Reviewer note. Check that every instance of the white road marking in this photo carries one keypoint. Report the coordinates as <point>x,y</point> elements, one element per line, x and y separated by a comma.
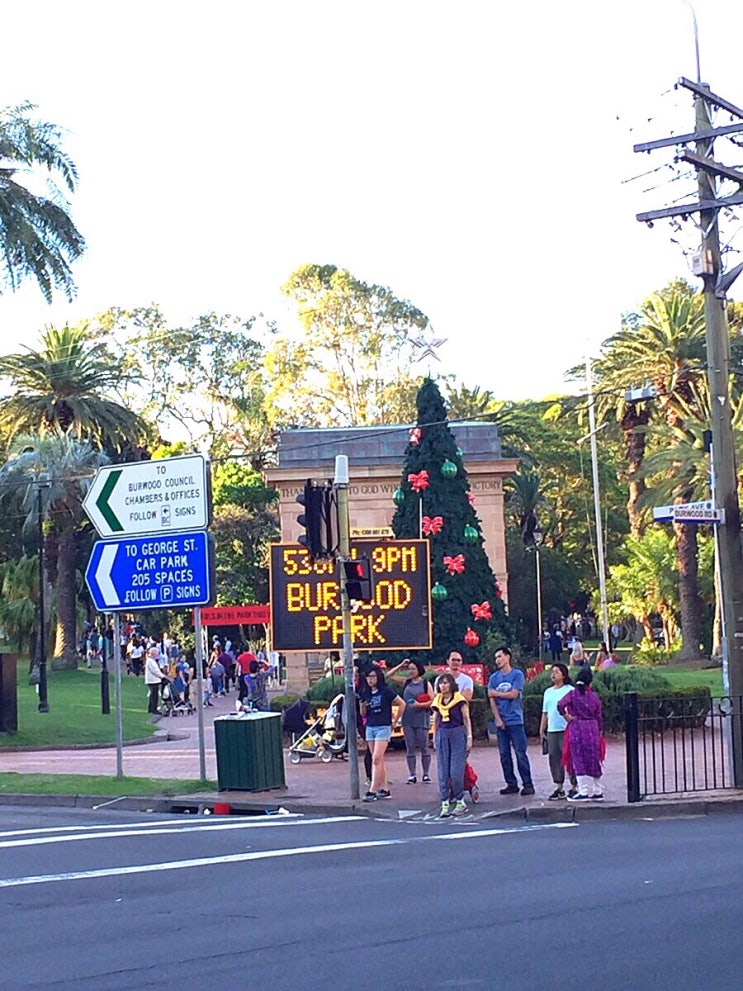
<point>189,826</point>
<point>241,858</point>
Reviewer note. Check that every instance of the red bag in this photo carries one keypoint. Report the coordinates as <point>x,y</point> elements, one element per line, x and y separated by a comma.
<point>470,776</point>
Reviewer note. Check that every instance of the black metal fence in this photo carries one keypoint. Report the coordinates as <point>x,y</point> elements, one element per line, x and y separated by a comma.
<point>676,746</point>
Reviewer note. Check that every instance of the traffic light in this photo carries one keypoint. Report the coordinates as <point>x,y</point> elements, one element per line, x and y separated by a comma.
<point>311,498</point>
<point>358,579</point>
<point>319,520</point>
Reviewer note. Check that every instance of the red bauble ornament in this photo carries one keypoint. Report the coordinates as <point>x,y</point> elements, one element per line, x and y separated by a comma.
<point>471,638</point>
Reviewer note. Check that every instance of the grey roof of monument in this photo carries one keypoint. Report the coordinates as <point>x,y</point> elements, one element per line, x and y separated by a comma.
<point>313,448</point>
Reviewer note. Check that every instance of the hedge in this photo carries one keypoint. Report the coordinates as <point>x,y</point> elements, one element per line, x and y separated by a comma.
<point>610,685</point>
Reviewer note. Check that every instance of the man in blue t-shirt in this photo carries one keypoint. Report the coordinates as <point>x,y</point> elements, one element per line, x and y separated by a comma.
<point>505,688</point>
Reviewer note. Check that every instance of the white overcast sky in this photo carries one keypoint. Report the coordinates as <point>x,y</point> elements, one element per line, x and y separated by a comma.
<point>468,155</point>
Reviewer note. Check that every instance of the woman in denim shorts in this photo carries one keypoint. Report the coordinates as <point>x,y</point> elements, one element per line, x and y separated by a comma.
<point>376,706</point>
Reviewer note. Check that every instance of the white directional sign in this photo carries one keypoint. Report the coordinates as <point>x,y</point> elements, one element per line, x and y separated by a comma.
<point>689,512</point>
<point>150,497</point>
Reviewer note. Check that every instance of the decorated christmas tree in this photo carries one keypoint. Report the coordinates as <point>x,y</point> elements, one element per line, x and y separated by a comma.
<point>435,501</point>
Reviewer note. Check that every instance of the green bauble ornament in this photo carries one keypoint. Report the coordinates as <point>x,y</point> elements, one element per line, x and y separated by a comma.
<point>439,593</point>
<point>471,534</point>
<point>448,469</point>
<point>398,497</point>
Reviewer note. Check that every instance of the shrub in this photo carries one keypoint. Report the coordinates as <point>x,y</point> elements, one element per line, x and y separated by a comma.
<point>649,654</point>
<point>281,702</point>
<point>326,689</point>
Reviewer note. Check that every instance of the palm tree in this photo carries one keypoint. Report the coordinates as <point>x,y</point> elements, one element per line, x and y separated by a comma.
<point>679,471</point>
<point>67,386</point>
<point>60,469</point>
<point>38,239</point>
<point>525,499</point>
<point>663,345</point>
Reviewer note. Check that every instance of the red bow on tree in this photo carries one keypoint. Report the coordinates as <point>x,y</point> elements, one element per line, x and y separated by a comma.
<point>432,524</point>
<point>415,435</point>
<point>454,565</point>
<point>482,611</point>
<point>471,498</point>
<point>419,481</point>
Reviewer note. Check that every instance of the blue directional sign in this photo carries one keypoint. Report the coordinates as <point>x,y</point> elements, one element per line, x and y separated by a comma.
<point>158,572</point>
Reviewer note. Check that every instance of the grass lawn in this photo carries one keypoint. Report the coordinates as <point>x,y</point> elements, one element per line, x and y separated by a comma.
<point>687,677</point>
<point>91,784</point>
<point>75,710</point>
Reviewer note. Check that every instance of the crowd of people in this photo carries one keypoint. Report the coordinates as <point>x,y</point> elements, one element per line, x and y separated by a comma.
<point>571,728</point>
<point>170,672</point>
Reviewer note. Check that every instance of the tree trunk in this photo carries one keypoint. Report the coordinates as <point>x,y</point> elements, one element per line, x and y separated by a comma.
<point>690,606</point>
<point>634,440</point>
<point>65,645</point>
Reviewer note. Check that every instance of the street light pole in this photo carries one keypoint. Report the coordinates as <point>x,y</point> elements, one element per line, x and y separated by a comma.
<point>597,506</point>
<point>537,535</point>
<point>43,698</point>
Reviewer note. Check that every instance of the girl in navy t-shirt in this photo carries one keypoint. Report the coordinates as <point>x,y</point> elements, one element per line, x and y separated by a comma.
<point>376,706</point>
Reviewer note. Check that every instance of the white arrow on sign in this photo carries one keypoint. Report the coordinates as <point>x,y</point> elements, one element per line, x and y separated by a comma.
<point>147,497</point>
<point>103,575</point>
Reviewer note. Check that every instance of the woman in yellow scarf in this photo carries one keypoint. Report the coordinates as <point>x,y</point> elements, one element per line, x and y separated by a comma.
<point>452,729</point>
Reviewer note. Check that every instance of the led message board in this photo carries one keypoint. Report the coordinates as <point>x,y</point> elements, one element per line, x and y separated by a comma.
<point>306,598</point>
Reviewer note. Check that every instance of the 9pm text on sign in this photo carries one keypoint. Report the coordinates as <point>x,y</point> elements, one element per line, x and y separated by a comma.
<point>156,572</point>
<point>150,497</point>
<point>306,598</point>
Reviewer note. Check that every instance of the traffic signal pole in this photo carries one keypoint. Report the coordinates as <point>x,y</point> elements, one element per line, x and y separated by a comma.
<point>344,554</point>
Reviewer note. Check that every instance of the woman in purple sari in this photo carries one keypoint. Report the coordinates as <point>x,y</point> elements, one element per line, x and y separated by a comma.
<point>582,710</point>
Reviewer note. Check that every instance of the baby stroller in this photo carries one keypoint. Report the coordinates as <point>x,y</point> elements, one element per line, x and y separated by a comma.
<point>325,737</point>
<point>175,702</point>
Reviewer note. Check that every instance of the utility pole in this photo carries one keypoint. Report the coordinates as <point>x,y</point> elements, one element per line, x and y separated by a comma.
<point>344,554</point>
<point>707,265</point>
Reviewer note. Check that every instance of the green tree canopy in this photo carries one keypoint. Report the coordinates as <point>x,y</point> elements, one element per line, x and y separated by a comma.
<point>352,366</point>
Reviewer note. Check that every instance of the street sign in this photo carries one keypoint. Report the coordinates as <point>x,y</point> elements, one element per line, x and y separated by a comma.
<point>689,512</point>
<point>235,615</point>
<point>306,598</point>
<point>167,571</point>
<point>150,497</point>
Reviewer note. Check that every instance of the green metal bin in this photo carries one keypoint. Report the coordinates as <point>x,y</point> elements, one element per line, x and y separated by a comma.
<point>250,752</point>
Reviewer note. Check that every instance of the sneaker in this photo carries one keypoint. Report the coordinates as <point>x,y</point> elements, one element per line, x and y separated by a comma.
<point>383,794</point>
<point>599,797</point>
<point>572,793</point>
<point>459,809</point>
<point>527,790</point>
<point>556,795</point>
<point>510,790</point>
<point>579,798</point>
<point>371,796</point>
<point>445,810</point>
<point>412,780</point>
<point>426,779</point>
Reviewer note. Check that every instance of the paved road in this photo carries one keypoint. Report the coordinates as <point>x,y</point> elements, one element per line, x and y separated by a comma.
<point>102,902</point>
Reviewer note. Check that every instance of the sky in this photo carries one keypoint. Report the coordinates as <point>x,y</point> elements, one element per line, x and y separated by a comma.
<point>474,157</point>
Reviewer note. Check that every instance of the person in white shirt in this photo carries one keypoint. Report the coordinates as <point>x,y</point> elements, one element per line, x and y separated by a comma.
<point>153,677</point>
<point>465,684</point>
<point>552,729</point>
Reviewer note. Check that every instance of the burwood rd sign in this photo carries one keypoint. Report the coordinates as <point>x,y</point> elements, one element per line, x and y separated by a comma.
<point>147,497</point>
